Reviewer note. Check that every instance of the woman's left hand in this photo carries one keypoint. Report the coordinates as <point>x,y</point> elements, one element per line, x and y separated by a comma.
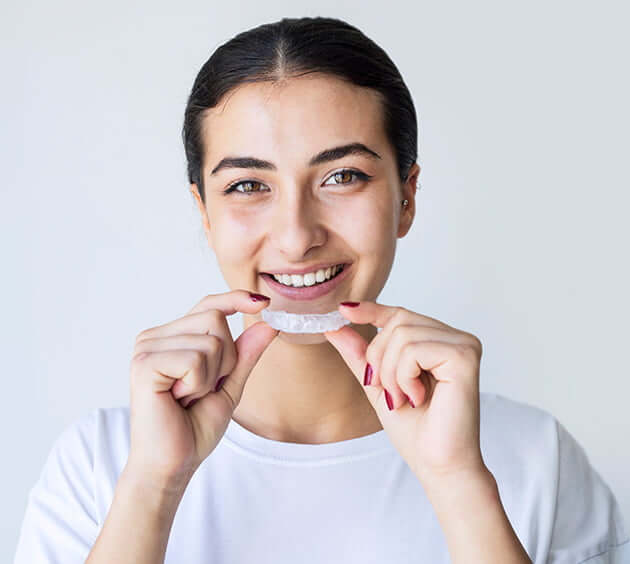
<point>433,365</point>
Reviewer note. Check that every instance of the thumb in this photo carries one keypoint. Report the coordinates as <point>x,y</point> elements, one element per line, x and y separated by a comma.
<point>250,345</point>
<point>352,346</point>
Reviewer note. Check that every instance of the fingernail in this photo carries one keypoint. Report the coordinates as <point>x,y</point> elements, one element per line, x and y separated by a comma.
<point>220,383</point>
<point>258,297</point>
<point>409,400</point>
<point>390,402</point>
<point>350,304</point>
<point>191,403</point>
<point>367,377</point>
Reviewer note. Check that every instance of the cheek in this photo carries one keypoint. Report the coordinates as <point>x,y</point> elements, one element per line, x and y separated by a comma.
<point>369,223</point>
<point>235,236</point>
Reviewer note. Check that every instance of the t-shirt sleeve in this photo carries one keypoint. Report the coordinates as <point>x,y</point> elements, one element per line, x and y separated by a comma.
<point>588,525</point>
<point>60,524</point>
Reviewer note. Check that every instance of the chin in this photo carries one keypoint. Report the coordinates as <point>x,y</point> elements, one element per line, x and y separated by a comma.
<point>302,338</point>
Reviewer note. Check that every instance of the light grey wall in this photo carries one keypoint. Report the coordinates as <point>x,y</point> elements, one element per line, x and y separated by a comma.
<point>521,235</point>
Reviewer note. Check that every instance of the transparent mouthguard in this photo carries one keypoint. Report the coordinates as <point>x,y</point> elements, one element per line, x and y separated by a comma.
<point>304,322</point>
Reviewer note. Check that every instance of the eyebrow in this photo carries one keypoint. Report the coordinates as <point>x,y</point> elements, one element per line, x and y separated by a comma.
<point>325,156</point>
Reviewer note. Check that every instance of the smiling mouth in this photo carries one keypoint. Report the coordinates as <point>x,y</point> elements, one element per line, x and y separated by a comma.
<point>311,291</point>
<point>302,281</point>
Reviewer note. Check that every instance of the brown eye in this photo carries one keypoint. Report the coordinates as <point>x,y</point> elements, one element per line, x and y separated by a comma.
<point>249,187</point>
<point>347,176</point>
<point>344,176</point>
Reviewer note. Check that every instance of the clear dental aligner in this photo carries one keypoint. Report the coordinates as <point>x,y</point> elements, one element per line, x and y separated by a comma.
<point>304,322</point>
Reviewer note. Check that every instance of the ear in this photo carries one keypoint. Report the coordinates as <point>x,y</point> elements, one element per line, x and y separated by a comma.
<point>202,210</point>
<point>408,212</point>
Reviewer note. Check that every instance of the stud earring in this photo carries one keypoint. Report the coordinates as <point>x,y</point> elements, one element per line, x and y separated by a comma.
<point>405,202</point>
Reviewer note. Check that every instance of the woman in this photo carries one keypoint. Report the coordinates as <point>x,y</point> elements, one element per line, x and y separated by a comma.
<point>354,445</point>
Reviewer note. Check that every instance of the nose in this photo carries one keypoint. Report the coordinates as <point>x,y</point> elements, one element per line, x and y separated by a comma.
<point>296,224</point>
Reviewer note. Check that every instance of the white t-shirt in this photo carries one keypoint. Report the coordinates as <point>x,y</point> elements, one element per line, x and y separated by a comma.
<point>355,501</point>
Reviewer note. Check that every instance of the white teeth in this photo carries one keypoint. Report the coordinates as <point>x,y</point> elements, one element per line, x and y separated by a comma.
<point>309,279</point>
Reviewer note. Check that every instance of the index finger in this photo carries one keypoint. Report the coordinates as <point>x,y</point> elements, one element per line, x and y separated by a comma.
<point>214,307</point>
<point>379,315</point>
<point>231,302</point>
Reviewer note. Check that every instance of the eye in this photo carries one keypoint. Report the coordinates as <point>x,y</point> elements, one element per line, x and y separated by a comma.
<point>341,177</point>
<point>345,176</point>
<point>251,186</point>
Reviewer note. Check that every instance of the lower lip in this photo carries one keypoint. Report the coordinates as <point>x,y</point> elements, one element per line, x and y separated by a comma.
<point>306,292</point>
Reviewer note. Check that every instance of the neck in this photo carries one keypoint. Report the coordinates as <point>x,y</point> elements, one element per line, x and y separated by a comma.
<point>305,393</point>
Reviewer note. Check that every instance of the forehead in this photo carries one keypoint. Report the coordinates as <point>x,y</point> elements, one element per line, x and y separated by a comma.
<point>295,118</point>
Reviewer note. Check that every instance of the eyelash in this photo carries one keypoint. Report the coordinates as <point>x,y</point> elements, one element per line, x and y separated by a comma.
<point>360,175</point>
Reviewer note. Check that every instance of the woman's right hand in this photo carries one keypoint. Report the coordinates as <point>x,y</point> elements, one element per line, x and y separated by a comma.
<point>182,361</point>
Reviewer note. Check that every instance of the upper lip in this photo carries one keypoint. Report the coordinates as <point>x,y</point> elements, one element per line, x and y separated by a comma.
<point>314,268</point>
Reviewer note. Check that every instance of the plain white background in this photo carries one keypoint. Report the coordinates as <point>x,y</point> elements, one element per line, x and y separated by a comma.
<point>521,234</point>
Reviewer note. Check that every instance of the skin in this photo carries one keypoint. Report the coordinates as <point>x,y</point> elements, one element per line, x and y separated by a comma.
<point>301,390</point>
<point>308,389</point>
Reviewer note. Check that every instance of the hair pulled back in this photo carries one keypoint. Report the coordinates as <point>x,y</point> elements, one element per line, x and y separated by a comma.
<point>295,47</point>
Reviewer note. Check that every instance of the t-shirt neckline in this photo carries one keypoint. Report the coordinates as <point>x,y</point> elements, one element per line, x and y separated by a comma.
<point>269,450</point>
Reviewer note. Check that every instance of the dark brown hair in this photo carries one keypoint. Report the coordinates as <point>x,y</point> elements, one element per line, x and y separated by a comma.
<point>294,47</point>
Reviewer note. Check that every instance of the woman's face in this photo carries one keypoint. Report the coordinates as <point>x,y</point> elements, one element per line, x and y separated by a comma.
<point>292,212</point>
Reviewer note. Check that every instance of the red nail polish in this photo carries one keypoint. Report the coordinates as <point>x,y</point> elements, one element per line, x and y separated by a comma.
<point>258,297</point>
<point>367,377</point>
<point>390,401</point>
<point>409,400</point>
<point>350,304</point>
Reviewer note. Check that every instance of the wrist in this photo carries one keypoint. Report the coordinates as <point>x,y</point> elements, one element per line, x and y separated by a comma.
<point>467,486</point>
<point>138,522</point>
<point>477,476</point>
<point>155,491</point>
<point>472,517</point>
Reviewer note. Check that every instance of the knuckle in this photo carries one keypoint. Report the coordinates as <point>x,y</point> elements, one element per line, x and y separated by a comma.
<point>214,344</point>
<point>397,331</point>
<point>213,317</point>
<point>138,356</point>
<point>400,316</point>
<point>474,341</point>
<point>198,358</point>
<point>402,313</point>
<point>407,350</point>
<point>478,345</point>
<point>198,369</point>
<point>465,350</point>
<point>140,347</point>
<point>401,331</point>
<point>143,335</point>
<point>475,344</point>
